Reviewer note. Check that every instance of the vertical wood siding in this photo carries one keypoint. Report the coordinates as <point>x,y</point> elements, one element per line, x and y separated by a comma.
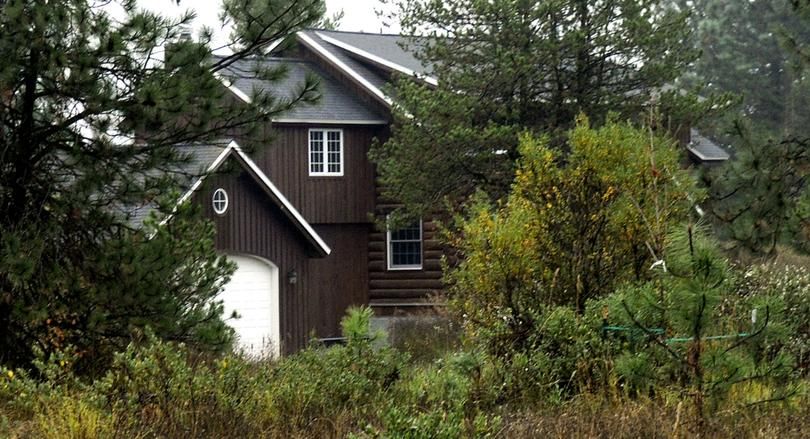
<point>253,225</point>
<point>339,280</point>
<point>347,199</point>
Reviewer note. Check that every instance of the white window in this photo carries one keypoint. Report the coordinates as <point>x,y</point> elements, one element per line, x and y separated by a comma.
<point>325,152</point>
<point>220,201</point>
<point>405,247</point>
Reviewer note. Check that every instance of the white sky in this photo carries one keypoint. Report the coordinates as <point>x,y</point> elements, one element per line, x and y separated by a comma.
<point>359,15</point>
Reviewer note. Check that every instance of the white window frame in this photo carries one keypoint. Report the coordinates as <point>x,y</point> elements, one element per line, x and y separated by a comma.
<point>325,136</point>
<point>214,201</point>
<point>389,250</point>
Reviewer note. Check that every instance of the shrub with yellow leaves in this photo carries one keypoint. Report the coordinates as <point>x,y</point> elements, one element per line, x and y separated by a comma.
<point>573,227</point>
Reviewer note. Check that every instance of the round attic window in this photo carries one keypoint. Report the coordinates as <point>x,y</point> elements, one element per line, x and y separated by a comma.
<point>220,201</point>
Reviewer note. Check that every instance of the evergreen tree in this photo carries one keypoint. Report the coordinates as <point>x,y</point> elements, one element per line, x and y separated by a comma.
<point>744,52</point>
<point>508,66</point>
<point>760,198</point>
<point>92,109</point>
<point>755,48</point>
<point>683,333</point>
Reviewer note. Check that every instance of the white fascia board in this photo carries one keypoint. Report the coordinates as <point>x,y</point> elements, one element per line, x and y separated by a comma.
<point>696,152</point>
<point>272,46</point>
<point>277,193</point>
<point>704,157</point>
<point>234,147</point>
<point>232,88</point>
<point>211,168</point>
<point>331,121</point>
<point>312,44</point>
<point>378,60</point>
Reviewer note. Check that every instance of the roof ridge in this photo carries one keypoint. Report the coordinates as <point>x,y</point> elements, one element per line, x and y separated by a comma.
<point>381,34</point>
<point>269,57</point>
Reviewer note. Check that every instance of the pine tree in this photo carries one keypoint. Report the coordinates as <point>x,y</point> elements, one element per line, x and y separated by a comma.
<point>744,52</point>
<point>682,334</point>
<point>754,48</point>
<point>508,66</point>
<point>760,199</point>
<point>92,109</point>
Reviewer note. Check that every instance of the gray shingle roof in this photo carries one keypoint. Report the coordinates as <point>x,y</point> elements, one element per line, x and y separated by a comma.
<point>336,104</point>
<point>200,157</point>
<point>388,47</point>
<point>372,77</point>
<point>704,149</point>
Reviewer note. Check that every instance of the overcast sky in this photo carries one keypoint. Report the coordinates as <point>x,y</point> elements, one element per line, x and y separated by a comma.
<point>359,15</point>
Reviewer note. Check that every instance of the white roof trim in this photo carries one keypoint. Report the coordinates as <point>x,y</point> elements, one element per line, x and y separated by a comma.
<point>284,201</point>
<point>332,121</point>
<point>229,85</point>
<point>272,46</point>
<point>211,168</point>
<point>312,44</point>
<point>234,147</point>
<point>706,158</point>
<point>378,60</point>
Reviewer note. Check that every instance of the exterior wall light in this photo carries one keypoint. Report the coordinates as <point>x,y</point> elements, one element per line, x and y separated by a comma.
<point>292,276</point>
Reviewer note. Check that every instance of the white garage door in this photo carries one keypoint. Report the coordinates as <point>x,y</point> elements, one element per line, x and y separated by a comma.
<point>253,294</point>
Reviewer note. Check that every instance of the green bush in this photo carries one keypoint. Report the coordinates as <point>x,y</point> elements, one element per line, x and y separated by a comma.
<point>161,389</point>
<point>564,236</point>
<point>447,399</point>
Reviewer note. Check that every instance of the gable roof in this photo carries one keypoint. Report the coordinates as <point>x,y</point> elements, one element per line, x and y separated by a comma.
<point>205,159</point>
<point>354,69</point>
<point>199,158</point>
<point>337,104</point>
<point>392,52</point>
<point>362,56</point>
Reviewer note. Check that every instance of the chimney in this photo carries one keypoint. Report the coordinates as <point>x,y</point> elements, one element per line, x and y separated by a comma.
<point>173,49</point>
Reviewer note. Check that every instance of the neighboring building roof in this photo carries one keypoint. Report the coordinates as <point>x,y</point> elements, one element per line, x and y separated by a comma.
<point>704,149</point>
<point>337,103</point>
<point>205,160</point>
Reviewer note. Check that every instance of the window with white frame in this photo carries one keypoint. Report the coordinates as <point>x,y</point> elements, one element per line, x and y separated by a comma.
<point>405,247</point>
<point>325,152</point>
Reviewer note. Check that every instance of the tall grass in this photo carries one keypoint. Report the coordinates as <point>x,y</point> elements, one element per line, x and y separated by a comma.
<point>360,390</point>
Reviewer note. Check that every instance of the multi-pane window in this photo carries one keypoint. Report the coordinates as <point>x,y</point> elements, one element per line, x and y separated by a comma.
<point>405,247</point>
<point>325,152</point>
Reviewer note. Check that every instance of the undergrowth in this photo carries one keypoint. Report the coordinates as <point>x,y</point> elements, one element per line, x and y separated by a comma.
<point>361,390</point>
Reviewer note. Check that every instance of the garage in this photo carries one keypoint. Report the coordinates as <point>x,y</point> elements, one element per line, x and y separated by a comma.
<point>252,294</point>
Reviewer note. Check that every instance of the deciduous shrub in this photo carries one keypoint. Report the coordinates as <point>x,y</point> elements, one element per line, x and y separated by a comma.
<point>573,228</point>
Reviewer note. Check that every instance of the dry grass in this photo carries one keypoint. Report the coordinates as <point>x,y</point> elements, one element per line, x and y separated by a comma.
<point>588,417</point>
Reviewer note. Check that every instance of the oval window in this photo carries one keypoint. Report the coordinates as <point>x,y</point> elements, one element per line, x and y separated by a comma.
<point>220,201</point>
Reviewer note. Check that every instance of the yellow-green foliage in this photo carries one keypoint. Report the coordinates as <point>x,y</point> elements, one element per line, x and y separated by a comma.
<point>74,418</point>
<point>574,226</point>
<point>160,390</point>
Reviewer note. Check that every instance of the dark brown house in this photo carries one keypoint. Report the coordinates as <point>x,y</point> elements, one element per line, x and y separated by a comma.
<point>298,216</point>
